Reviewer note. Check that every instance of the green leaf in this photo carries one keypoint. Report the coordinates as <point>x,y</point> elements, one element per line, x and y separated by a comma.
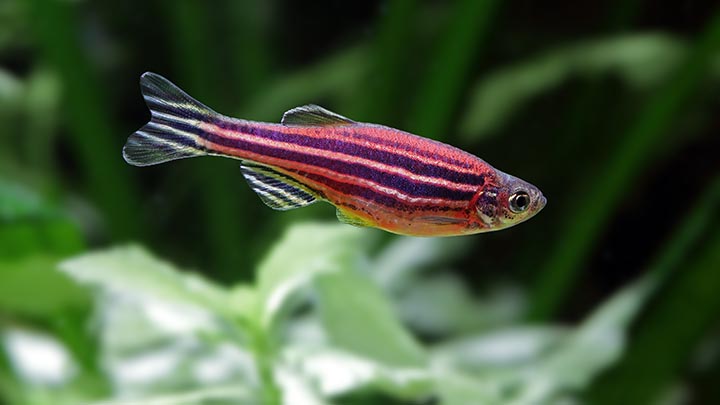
<point>529,365</point>
<point>18,202</point>
<point>641,60</point>
<point>600,339</point>
<point>638,148</point>
<point>328,78</point>
<point>449,65</point>
<point>57,238</point>
<point>188,347</point>
<point>13,26</point>
<point>230,394</point>
<point>303,252</point>
<point>131,270</point>
<point>458,389</point>
<point>337,372</point>
<point>296,387</point>
<point>37,358</point>
<point>442,305</point>
<point>11,90</point>
<point>402,259</point>
<point>681,319</point>
<point>500,350</point>
<point>32,286</point>
<point>244,301</point>
<point>594,346</point>
<point>43,103</point>
<point>359,319</point>
<point>30,224</point>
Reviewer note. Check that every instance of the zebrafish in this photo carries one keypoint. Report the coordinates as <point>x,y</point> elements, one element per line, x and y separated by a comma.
<point>375,176</point>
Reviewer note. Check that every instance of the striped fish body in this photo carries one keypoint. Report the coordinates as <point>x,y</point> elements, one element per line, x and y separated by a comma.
<point>374,175</point>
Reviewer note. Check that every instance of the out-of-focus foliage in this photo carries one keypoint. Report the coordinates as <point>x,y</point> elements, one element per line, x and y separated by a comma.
<point>608,296</point>
<point>640,61</point>
<point>161,330</point>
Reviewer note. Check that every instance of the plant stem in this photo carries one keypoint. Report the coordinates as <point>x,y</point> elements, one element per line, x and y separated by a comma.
<point>264,357</point>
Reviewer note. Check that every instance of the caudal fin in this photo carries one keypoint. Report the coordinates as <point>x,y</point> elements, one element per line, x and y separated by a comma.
<point>174,129</point>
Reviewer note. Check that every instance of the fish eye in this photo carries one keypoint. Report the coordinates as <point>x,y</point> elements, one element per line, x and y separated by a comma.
<point>519,201</point>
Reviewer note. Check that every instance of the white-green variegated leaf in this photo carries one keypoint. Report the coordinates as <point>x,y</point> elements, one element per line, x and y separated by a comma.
<point>152,347</point>
<point>337,372</point>
<point>442,305</point>
<point>358,318</point>
<point>303,252</point>
<point>596,344</point>
<point>538,365</point>
<point>499,350</point>
<point>405,257</point>
<point>132,271</point>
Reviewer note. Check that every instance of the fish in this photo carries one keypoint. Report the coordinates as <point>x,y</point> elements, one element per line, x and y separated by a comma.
<point>374,175</point>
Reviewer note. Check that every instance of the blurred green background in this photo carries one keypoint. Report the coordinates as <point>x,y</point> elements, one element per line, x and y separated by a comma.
<point>610,295</point>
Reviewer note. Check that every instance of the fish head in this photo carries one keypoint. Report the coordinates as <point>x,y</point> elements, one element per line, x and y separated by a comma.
<point>506,200</point>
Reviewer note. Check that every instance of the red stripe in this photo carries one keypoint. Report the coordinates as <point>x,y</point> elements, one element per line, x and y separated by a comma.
<point>386,168</point>
<point>377,137</point>
<point>302,169</point>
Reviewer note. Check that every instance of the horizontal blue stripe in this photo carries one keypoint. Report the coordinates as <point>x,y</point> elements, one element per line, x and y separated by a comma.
<point>400,183</point>
<point>375,154</point>
<point>369,194</point>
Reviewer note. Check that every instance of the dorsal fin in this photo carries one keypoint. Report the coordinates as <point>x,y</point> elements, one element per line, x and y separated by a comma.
<point>313,115</point>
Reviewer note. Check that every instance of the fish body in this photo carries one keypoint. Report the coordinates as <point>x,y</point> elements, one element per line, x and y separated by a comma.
<point>374,175</point>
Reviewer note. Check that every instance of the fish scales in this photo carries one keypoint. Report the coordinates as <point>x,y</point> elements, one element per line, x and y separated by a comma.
<point>374,175</point>
<point>403,173</point>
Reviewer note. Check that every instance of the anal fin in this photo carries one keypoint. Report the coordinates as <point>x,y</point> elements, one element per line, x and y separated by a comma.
<point>278,191</point>
<point>350,219</point>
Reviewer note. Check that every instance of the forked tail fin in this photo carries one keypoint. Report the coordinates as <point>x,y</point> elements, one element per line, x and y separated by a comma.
<point>174,129</point>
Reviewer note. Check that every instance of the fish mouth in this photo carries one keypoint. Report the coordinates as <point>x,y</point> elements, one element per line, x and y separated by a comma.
<point>541,203</point>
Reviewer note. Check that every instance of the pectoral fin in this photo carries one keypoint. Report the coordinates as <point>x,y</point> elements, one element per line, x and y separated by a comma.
<point>278,191</point>
<point>438,220</point>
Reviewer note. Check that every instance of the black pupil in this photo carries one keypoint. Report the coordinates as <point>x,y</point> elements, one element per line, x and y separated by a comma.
<point>521,201</point>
